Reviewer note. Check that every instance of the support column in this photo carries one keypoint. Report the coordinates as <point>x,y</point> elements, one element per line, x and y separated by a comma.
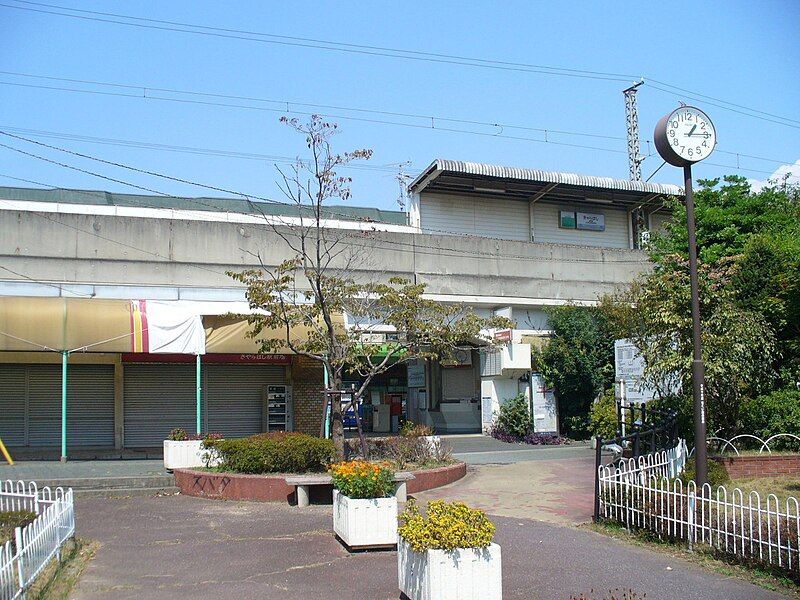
<point>199,395</point>
<point>119,404</point>
<point>64,356</point>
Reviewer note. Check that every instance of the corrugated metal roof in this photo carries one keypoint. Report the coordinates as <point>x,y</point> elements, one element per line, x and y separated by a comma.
<point>535,175</point>
<point>232,205</point>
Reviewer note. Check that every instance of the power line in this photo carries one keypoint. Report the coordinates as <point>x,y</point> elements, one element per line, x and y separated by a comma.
<point>431,120</point>
<point>18,274</point>
<point>323,45</point>
<point>125,143</point>
<point>284,106</point>
<point>262,37</point>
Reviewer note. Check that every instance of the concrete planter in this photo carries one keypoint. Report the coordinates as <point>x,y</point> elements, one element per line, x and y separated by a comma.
<point>365,523</point>
<point>461,574</point>
<point>184,455</point>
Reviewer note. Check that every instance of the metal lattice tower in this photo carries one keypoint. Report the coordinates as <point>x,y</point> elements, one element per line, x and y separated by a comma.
<point>632,121</point>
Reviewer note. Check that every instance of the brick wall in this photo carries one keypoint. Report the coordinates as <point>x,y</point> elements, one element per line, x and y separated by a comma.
<point>307,385</point>
<point>769,465</point>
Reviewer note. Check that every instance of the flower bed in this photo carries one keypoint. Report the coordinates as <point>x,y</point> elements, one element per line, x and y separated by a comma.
<point>534,439</point>
<point>273,487</point>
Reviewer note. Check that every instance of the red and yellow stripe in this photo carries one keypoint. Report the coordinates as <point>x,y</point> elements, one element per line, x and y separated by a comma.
<point>140,341</point>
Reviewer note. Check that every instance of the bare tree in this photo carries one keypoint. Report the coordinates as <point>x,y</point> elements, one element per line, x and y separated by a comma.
<point>306,296</point>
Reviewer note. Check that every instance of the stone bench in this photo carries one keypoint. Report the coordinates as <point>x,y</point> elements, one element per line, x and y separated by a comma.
<point>303,482</point>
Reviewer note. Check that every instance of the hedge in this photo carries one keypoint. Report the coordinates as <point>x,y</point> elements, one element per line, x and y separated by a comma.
<point>278,452</point>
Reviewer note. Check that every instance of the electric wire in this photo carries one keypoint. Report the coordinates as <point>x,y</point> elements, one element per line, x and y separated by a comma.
<point>430,120</point>
<point>182,27</point>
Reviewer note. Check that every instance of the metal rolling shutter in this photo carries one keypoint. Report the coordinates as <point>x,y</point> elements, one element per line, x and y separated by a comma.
<point>90,405</point>
<point>158,397</point>
<point>12,404</point>
<point>233,397</point>
<point>44,405</point>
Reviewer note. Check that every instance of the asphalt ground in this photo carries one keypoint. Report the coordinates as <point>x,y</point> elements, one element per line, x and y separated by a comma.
<point>185,547</point>
<point>479,449</point>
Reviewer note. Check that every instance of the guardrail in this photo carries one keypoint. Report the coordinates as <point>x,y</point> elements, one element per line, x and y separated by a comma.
<point>35,545</point>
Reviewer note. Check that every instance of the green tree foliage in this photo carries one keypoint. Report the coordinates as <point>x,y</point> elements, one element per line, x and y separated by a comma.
<point>578,362</point>
<point>749,255</point>
<point>770,414</point>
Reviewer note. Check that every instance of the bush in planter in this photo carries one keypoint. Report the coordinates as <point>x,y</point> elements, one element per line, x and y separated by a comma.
<point>412,430</point>
<point>360,479</point>
<point>446,526</point>
<point>278,452</point>
<point>178,434</point>
<point>403,451</point>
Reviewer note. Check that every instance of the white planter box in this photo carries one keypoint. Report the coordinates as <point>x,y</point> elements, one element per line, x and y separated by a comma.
<point>365,523</point>
<point>462,574</point>
<point>184,455</point>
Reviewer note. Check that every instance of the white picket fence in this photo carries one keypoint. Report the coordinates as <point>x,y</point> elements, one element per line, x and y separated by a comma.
<point>644,494</point>
<point>36,544</point>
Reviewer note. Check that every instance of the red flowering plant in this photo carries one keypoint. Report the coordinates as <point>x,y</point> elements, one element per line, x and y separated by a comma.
<point>362,479</point>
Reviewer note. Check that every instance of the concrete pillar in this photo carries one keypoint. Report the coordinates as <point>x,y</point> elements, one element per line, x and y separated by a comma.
<point>119,403</point>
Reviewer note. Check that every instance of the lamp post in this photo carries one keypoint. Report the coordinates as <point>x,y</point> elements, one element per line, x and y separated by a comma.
<point>683,137</point>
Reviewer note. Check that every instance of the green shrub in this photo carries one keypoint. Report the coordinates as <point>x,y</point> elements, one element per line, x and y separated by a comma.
<point>515,416</point>
<point>717,473</point>
<point>603,416</point>
<point>778,412</point>
<point>446,526</point>
<point>278,452</point>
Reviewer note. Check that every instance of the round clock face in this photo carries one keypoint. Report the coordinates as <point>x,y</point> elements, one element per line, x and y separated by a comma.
<point>685,136</point>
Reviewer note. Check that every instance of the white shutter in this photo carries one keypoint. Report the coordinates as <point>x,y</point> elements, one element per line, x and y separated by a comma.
<point>489,217</point>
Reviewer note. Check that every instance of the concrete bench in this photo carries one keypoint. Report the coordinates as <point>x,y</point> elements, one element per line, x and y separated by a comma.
<point>302,483</point>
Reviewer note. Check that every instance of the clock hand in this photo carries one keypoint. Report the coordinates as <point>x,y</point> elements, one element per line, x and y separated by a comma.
<point>692,130</point>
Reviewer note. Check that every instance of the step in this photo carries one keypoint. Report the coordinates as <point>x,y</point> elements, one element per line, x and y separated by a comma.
<point>126,492</point>
<point>94,483</point>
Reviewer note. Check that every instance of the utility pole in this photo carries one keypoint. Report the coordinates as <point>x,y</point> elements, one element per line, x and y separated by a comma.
<point>632,122</point>
<point>634,157</point>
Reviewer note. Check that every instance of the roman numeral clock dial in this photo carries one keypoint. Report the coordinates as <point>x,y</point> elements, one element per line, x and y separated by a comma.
<point>685,136</point>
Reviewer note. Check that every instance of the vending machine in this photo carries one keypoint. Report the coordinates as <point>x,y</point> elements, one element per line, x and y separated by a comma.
<point>278,405</point>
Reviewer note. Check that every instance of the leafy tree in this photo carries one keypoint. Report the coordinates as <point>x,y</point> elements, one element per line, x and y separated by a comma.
<point>738,344</point>
<point>578,362</point>
<point>304,297</point>
<point>749,263</point>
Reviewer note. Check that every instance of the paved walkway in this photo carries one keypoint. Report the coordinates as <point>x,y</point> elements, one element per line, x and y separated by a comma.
<point>556,491</point>
<point>184,547</point>
<point>478,449</point>
<point>48,470</point>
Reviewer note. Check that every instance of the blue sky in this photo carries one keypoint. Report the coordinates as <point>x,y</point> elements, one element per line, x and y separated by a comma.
<point>745,53</point>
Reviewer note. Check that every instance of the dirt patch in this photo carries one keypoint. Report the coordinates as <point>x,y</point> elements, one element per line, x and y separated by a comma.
<point>58,579</point>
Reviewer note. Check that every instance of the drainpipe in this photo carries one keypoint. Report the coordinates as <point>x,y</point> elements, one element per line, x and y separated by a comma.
<point>199,393</point>
<point>64,355</point>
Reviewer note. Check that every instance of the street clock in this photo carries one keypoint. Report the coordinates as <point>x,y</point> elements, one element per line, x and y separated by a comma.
<point>685,136</point>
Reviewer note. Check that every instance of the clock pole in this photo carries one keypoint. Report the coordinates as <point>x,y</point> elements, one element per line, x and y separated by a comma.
<point>698,370</point>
